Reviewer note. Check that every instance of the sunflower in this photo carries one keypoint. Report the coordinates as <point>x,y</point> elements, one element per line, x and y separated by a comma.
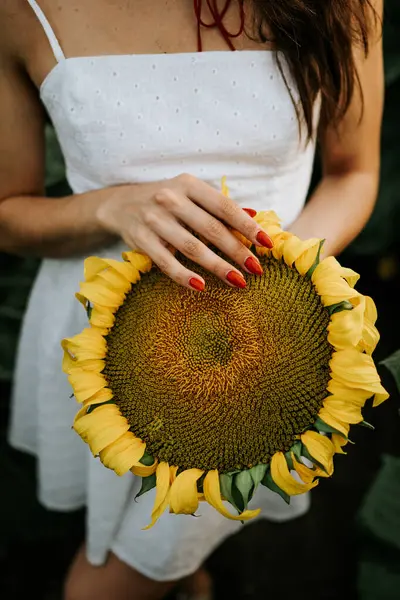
<point>207,396</point>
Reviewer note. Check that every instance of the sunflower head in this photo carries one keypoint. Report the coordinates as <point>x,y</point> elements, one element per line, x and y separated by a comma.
<point>207,396</point>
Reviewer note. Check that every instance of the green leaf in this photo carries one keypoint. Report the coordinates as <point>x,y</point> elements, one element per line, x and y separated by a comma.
<point>89,309</point>
<point>244,484</point>
<point>147,460</point>
<point>237,497</point>
<point>367,425</point>
<point>289,461</point>
<point>317,260</point>
<point>271,485</point>
<point>92,407</point>
<point>392,363</point>
<point>320,425</point>
<point>148,483</point>
<point>339,307</point>
<point>296,449</point>
<point>225,482</point>
<point>257,474</point>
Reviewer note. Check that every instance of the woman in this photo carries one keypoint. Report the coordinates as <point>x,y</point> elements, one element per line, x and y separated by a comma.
<point>136,108</point>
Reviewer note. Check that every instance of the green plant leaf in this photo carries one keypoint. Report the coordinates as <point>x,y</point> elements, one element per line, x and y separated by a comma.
<point>225,482</point>
<point>147,460</point>
<point>317,260</point>
<point>257,474</point>
<point>289,461</point>
<point>92,407</point>
<point>367,425</point>
<point>271,485</point>
<point>148,483</point>
<point>339,307</point>
<point>320,425</point>
<point>243,482</point>
<point>89,309</point>
<point>296,449</point>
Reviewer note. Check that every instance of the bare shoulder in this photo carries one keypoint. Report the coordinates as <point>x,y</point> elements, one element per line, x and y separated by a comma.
<point>16,18</point>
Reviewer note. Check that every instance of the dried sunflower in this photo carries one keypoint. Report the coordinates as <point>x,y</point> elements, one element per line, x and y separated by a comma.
<point>207,396</point>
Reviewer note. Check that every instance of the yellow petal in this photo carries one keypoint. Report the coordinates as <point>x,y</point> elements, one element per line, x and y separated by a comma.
<point>95,265</point>
<point>346,327</point>
<point>370,334</point>
<point>306,474</point>
<point>124,452</point>
<point>172,472</point>
<point>95,365</point>
<point>101,427</point>
<point>102,317</point>
<point>281,475</point>
<point>305,261</point>
<point>68,362</point>
<point>332,290</point>
<point>333,421</point>
<point>279,244</point>
<point>340,413</point>
<point>303,253</point>
<point>114,280</point>
<point>338,442</point>
<point>100,397</point>
<point>85,383</point>
<point>144,470</point>
<point>212,493</point>
<point>224,187</point>
<point>357,370</point>
<point>241,238</point>
<point>99,294</point>
<point>162,493</point>
<point>89,344</point>
<point>370,310</point>
<point>330,263</point>
<point>184,497</point>
<point>342,392</point>
<point>349,275</point>
<point>268,218</point>
<point>141,262</point>
<point>320,448</point>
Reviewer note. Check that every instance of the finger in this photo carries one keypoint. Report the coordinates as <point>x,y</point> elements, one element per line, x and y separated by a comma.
<point>227,210</point>
<point>150,244</point>
<point>191,247</point>
<point>210,228</point>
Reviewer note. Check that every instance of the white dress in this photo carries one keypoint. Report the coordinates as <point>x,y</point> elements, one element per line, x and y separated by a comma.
<point>132,119</point>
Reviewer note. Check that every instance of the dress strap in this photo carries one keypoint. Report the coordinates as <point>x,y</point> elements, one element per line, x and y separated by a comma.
<point>51,36</point>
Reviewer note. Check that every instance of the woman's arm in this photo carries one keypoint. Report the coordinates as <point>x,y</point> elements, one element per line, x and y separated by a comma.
<point>29,222</point>
<point>344,200</point>
<point>145,216</point>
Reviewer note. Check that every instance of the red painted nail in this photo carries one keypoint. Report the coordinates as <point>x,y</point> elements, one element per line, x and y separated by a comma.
<point>236,279</point>
<point>250,211</point>
<point>264,239</point>
<point>196,284</point>
<point>253,266</point>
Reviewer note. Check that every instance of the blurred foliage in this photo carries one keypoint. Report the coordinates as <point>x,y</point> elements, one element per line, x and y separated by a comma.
<point>378,238</point>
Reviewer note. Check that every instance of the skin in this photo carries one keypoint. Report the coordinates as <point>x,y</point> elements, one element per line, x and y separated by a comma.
<point>149,216</point>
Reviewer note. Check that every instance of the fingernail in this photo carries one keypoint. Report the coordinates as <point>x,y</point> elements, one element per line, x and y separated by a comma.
<point>250,211</point>
<point>196,284</point>
<point>236,279</point>
<point>264,239</point>
<point>253,266</point>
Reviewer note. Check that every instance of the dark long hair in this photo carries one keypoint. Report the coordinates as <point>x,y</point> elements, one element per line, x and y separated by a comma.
<point>318,39</point>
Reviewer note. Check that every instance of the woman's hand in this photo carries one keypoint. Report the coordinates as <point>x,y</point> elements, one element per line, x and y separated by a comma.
<point>148,217</point>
